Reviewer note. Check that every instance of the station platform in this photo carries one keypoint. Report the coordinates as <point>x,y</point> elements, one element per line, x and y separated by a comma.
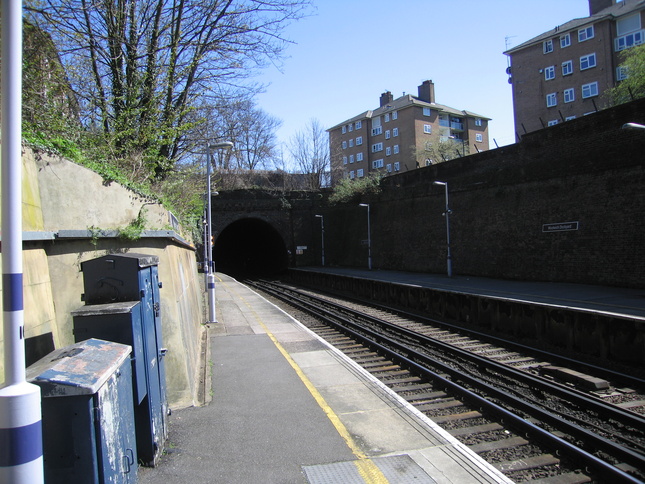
<point>626,301</point>
<point>285,407</point>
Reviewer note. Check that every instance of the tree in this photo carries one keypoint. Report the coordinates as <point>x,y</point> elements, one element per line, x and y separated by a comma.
<point>309,150</point>
<point>633,87</point>
<point>139,67</point>
<point>438,151</point>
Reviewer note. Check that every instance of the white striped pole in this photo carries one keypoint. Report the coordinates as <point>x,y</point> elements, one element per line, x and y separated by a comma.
<point>21,445</point>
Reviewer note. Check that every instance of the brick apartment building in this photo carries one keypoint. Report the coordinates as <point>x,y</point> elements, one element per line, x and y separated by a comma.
<point>562,74</point>
<point>397,136</point>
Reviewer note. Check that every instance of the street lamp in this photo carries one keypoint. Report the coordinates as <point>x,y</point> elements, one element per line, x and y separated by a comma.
<point>210,266</point>
<point>369,236</point>
<point>447,215</point>
<point>322,242</point>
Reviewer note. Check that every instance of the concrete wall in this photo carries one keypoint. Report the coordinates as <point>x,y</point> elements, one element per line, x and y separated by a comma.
<point>70,215</point>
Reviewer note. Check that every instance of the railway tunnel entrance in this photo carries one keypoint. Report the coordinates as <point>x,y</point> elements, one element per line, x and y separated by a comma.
<point>250,248</point>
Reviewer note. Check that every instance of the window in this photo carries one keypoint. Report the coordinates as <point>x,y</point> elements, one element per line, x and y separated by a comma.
<point>359,157</point>
<point>344,129</point>
<point>589,90</point>
<point>388,167</point>
<point>377,163</point>
<point>387,134</point>
<point>478,121</point>
<point>395,114</point>
<point>548,46</point>
<point>396,149</point>
<point>344,160</point>
<point>351,174</point>
<point>569,118</point>
<point>351,128</point>
<point>388,151</point>
<point>585,34</point>
<point>549,73</point>
<point>426,111</point>
<point>587,61</point>
<point>395,131</point>
<point>567,68</point>
<point>621,73</point>
<point>565,41</point>
<point>551,100</point>
<point>359,124</point>
<point>553,122</point>
<point>351,158</point>
<point>479,137</point>
<point>629,24</point>
<point>397,166</point>
<point>377,147</point>
<point>376,131</point>
<point>359,140</point>
<point>427,128</point>
<point>344,145</point>
<point>629,40</point>
<point>351,143</point>
<point>387,117</point>
<point>569,95</point>
<point>359,172</point>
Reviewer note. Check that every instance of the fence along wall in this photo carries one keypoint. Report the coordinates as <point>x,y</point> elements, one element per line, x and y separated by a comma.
<point>70,215</point>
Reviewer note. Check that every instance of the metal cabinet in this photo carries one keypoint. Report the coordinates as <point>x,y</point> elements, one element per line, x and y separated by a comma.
<point>87,413</point>
<point>123,304</point>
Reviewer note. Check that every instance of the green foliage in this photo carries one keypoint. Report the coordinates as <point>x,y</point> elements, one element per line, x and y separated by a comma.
<point>348,190</point>
<point>633,60</point>
<point>135,228</point>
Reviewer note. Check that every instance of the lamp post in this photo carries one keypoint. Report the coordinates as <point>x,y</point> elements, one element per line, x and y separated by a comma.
<point>322,241</point>
<point>210,266</point>
<point>369,236</point>
<point>447,215</point>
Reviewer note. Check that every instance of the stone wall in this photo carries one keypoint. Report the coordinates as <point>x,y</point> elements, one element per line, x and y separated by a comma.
<point>503,202</point>
<point>69,216</point>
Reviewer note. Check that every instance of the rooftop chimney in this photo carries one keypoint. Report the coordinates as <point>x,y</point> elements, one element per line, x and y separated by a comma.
<point>596,6</point>
<point>426,91</point>
<point>386,98</point>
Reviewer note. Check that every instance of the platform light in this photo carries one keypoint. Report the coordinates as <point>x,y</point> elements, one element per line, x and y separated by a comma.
<point>633,126</point>
<point>369,236</point>
<point>322,241</point>
<point>447,215</point>
<point>210,266</point>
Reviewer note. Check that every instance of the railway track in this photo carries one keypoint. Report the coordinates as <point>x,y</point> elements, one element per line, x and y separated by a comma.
<point>509,408</point>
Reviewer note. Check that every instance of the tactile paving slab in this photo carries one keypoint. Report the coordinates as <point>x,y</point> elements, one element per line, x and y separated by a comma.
<point>397,469</point>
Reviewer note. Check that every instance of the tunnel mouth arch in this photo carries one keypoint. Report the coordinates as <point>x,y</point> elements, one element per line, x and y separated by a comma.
<point>249,248</point>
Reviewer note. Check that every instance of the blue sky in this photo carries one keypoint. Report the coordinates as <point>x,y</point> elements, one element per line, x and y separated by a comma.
<point>351,51</point>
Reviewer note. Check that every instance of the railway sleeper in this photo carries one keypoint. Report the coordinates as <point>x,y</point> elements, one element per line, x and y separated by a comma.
<point>542,460</point>
<point>433,405</point>
<point>475,429</point>
<point>456,416</point>
<point>511,442</point>
<point>567,478</point>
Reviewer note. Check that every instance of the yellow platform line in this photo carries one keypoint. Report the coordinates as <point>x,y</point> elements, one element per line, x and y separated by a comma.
<point>367,469</point>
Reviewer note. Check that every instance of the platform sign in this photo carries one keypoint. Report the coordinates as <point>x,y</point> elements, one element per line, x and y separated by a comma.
<point>560,227</point>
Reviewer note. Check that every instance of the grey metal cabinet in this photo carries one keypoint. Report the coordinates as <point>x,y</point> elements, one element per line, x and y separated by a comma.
<point>122,290</point>
<point>87,413</point>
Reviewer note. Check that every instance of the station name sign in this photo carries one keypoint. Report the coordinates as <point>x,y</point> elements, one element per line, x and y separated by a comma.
<point>560,227</point>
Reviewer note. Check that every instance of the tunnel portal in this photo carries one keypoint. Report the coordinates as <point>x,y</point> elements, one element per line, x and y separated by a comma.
<point>250,247</point>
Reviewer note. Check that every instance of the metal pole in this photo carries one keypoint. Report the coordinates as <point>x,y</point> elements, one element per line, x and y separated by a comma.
<point>447,215</point>
<point>210,285</point>
<point>210,277</point>
<point>21,452</point>
<point>322,242</point>
<point>369,236</point>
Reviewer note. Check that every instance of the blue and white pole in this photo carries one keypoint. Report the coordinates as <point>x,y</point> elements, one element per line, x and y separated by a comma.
<point>21,445</point>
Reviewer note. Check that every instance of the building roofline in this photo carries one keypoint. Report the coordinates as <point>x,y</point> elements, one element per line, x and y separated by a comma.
<point>405,101</point>
<point>615,11</point>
